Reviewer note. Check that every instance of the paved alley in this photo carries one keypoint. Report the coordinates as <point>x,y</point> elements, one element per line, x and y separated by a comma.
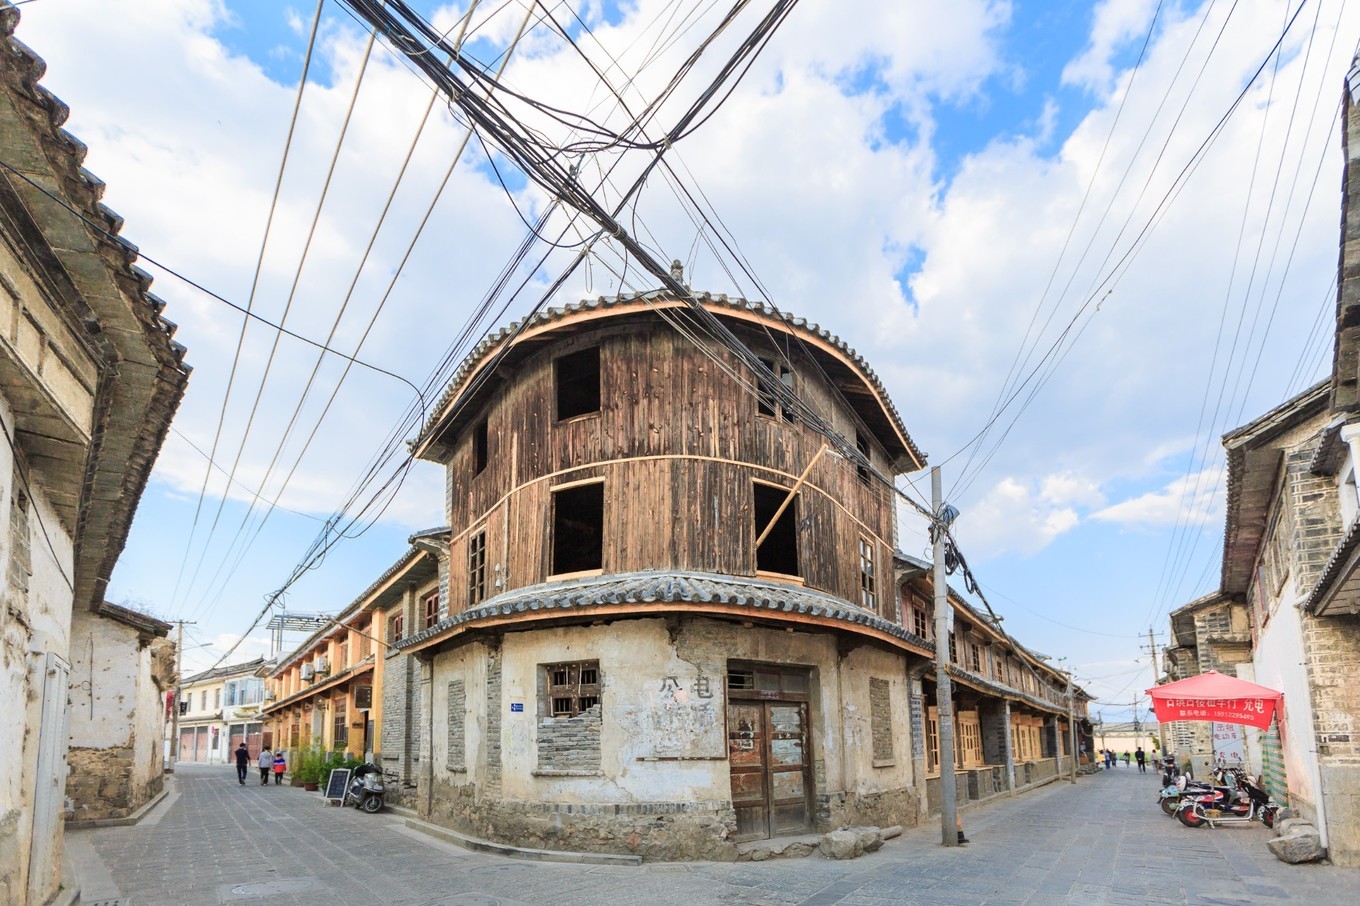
<point>1103,841</point>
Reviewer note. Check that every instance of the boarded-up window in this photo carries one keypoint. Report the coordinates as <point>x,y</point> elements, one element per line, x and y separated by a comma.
<point>880,719</point>
<point>578,529</point>
<point>570,718</point>
<point>578,383</point>
<point>476,569</point>
<point>778,553</point>
<point>457,734</point>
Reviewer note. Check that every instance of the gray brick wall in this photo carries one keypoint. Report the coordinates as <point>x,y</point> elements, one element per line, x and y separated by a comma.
<point>880,718</point>
<point>570,743</point>
<point>1316,517</point>
<point>493,721</point>
<point>918,721</point>
<point>457,704</point>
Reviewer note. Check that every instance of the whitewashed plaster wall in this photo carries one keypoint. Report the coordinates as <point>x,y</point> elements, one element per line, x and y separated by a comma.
<point>106,666</point>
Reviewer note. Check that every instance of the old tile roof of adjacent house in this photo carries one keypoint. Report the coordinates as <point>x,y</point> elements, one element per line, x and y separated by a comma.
<point>223,672</point>
<point>718,301</point>
<point>103,290</point>
<point>142,622</point>
<point>1251,465</point>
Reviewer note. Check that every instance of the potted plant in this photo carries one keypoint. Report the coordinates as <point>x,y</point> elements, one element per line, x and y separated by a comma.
<point>309,768</point>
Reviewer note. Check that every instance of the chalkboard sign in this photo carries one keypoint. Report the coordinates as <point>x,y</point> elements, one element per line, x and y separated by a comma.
<point>335,786</point>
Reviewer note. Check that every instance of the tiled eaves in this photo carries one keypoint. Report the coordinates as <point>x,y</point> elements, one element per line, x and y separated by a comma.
<point>711,300</point>
<point>1334,571</point>
<point>644,589</point>
<point>326,685</point>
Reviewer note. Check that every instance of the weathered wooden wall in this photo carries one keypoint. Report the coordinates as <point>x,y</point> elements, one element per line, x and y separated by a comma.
<point>678,441</point>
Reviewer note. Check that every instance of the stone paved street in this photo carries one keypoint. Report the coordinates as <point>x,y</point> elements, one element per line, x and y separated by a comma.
<point>1101,842</point>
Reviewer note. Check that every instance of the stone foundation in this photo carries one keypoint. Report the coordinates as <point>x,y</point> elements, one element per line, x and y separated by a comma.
<point>882,809</point>
<point>656,831</point>
<point>101,784</point>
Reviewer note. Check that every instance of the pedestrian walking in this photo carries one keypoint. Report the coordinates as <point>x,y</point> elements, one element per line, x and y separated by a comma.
<point>1141,757</point>
<point>1126,759</point>
<point>266,763</point>
<point>280,765</point>
<point>242,763</point>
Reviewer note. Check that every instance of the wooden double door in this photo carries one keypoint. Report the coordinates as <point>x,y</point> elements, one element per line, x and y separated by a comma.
<point>767,746</point>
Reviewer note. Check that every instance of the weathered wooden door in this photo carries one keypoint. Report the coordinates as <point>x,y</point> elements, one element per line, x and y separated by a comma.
<point>767,752</point>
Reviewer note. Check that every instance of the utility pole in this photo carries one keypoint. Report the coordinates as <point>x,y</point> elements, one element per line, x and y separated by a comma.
<point>950,827</point>
<point>1156,674</point>
<point>1072,733</point>
<point>174,708</point>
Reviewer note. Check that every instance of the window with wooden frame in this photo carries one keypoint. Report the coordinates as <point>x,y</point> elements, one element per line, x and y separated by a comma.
<point>920,619</point>
<point>953,649</point>
<point>933,741</point>
<point>476,569</point>
<point>862,445</point>
<point>868,575</point>
<point>340,739</point>
<point>430,608</point>
<point>577,529</point>
<point>571,688</point>
<point>767,397</point>
<point>479,447</point>
<point>396,627</point>
<point>577,379</point>
<point>970,739</point>
<point>977,657</point>
<point>778,553</point>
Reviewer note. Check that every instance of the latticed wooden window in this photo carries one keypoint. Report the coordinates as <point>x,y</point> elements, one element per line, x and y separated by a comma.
<point>977,658</point>
<point>572,687</point>
<point>396,627</point>
<point>476,569</point>
<point>932,740</point>
<point>868,579</point>
<point>920,621</point>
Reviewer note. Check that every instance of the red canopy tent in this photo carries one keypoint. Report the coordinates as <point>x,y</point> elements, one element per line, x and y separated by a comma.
<point>1215,697</point>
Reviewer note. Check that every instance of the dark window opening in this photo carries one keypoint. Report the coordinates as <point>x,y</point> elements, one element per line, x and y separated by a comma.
<point>479,447</point>
<point>476,569</point>
<point>578,529</point>
<point>572,688</point>
<point>578,383</point>
<point>862,445</point>
<point>431,610</point>
<point>396,627</point>
<point>767,399</point>
<point>778,553</point>
<point>741,680</point>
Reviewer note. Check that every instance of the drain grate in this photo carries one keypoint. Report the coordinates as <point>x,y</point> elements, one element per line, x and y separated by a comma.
<point>117,901</point>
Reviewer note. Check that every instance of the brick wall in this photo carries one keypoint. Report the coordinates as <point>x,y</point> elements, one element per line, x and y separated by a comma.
<point>880,718</point>
<point>493,721</point>
<point>570,744</point>
<point>457,742</point>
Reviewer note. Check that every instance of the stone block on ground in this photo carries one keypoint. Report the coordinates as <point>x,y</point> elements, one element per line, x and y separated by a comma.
<point>870,838</point>
<point>841,844</point>
<point>1300,843</point>
<point>1284,826</point>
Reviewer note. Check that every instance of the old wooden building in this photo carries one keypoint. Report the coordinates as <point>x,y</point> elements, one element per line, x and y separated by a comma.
<point>668,618</point>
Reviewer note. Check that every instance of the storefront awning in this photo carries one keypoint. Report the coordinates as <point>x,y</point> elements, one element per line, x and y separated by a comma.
<point>1215,697</point>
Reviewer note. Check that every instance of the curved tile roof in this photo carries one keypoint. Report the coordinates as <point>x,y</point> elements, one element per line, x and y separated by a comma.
<point>719,301</point>
<point>667,587</point>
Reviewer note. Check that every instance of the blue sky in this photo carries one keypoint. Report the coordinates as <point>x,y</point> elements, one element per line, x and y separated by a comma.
<point>943,185</point>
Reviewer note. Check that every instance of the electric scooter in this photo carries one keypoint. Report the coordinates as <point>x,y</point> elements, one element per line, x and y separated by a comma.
<point>366,790</point>
<point>1253,804</point>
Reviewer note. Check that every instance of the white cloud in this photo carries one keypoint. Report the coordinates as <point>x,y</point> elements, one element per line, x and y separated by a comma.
<point>1188,500</point>
<point>1015,516</point>
<point>1115,23</point>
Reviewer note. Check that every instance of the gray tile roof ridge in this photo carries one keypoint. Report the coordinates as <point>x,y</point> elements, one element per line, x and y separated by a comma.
<point>497,337</point>
<point>667,586</point>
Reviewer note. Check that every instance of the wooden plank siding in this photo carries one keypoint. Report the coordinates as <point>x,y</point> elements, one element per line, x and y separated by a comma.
<point>678,442</point>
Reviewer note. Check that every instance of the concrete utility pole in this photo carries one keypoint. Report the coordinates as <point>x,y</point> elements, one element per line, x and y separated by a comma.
<point>1156,675</point>
<point>174,709</point>
<point>944,706</point>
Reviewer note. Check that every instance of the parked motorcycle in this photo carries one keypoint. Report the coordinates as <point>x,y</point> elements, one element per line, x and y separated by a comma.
<point>1252,804</point>
<point>366,790</point>
<point>1181,789</point>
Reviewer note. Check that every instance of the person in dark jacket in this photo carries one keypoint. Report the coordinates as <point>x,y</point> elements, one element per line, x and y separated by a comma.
<point>242,763</point>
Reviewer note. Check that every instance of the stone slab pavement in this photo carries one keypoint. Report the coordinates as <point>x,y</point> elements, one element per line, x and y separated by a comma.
<point>1102,842</point>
